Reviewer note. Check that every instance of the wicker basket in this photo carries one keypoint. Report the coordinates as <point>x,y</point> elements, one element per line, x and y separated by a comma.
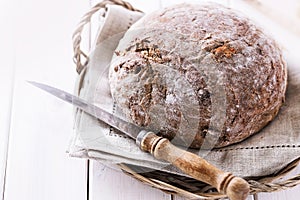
<point>171,183</point>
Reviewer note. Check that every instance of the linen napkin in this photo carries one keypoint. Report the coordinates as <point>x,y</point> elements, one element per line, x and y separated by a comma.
<point>262,154</point>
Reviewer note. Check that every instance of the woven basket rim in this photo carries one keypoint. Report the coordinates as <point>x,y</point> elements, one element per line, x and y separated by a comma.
<point>257,184</point>
<point>269,183</point>
<point>80,58</point>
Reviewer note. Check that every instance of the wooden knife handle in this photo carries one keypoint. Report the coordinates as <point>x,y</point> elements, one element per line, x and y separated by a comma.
<point>161,148</point>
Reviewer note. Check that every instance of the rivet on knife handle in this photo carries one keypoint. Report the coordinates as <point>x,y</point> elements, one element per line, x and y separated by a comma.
<point>235,188</point>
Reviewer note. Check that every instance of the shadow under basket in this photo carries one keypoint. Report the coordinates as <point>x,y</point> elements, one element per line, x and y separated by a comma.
<point>169,182</point>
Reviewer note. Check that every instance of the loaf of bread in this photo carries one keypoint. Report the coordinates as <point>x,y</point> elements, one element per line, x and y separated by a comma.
<point>199,75</point>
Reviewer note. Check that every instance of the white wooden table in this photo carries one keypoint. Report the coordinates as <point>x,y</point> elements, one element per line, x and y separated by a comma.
<point>35,128</point>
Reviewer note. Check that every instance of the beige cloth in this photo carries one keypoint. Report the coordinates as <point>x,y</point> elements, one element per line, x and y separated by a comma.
<point>262,154</point>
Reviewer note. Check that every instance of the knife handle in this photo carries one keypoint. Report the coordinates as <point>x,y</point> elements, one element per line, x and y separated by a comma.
<point>235,188</point>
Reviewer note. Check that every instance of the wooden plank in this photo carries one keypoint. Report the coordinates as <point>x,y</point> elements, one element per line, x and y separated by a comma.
<point>285,13</point>
<point>41,125</point>
<point>108,182</point>
<point>146,6</point>
<point>166,3</point>
<point>6,84</point>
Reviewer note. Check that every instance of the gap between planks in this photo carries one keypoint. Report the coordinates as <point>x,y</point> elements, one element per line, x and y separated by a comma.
<point>7,78</point>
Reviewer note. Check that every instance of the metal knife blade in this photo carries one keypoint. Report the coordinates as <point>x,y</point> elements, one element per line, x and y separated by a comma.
<point>128,128</point>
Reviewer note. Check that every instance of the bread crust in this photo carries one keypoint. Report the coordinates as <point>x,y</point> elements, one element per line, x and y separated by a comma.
<point>190,71</point>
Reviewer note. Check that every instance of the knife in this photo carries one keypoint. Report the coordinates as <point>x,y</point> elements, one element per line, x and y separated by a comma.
<point>161,148</point>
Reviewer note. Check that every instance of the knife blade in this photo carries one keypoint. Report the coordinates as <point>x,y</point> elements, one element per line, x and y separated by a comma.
<point>234,187</point>
<point>128,128</point>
